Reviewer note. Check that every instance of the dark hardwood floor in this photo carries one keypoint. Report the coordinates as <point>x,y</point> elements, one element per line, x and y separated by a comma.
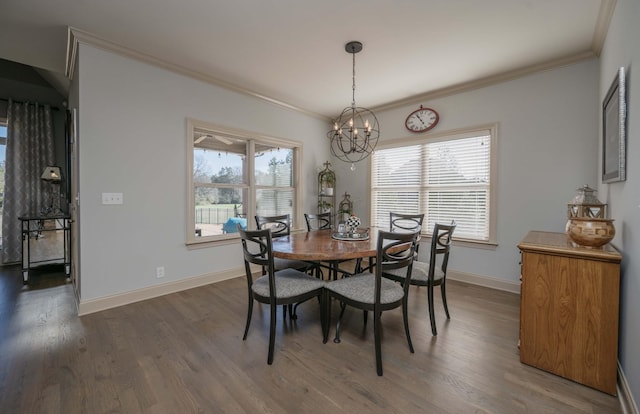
<point>184,353</point>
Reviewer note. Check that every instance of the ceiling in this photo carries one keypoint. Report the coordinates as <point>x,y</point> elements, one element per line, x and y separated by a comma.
<point>292,51</point>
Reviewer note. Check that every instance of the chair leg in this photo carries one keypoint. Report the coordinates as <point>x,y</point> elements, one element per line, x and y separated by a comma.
<point>358,267</point>
<point>327,318</point>
<point>443,291</point>
<point>323,298</point>
<point>365,316</point>
<point>293,311</point>
<point>376,333</point>
<point>249,313</point>
<point>343,306</point>
<point>272,333</point>
<point>432,316</point>
<point>405,317</point>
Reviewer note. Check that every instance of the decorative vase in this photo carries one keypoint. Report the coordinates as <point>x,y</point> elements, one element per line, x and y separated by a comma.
<point>591,232</point>
<point>352,223</point>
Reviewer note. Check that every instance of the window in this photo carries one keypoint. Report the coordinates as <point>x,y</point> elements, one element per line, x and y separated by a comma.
<point>449,177</point>
<point>234,175</point>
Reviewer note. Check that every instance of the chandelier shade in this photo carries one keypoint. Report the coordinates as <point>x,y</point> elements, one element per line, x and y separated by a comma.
<point>355,132</point>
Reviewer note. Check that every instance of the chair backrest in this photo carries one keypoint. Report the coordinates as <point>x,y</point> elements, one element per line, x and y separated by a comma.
<point>441,245</point>
<point>406,223</point>
<point>394,251</point>
<point>257,248</point>
<point>321,221</point>
<point>279,226</point>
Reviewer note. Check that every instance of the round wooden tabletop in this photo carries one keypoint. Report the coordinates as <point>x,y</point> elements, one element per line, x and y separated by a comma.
<point>320,246</point>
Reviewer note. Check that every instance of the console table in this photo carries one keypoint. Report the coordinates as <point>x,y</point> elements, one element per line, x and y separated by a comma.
<point>569,309</point>
<point>35,227</point>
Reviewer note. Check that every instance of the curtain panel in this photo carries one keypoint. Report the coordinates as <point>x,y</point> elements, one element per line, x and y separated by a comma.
<point>30,148</point>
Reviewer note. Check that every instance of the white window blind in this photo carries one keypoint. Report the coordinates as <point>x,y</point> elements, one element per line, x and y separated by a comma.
<point>446,179</point>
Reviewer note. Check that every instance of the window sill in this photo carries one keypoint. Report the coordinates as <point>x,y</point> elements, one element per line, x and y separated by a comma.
<point>209,242</point>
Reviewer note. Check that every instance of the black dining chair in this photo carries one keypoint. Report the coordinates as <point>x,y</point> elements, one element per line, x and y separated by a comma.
<point>280,226</point>
<point>433,272</point>
<point>372,292</point>
<point>320,221</point>
<point>276,287</point>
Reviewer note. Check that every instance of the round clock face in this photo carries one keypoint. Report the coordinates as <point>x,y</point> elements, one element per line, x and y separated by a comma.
<point>422,120</point>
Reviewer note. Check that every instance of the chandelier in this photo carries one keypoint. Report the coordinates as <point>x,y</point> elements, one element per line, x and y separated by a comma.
<point>355,132</point>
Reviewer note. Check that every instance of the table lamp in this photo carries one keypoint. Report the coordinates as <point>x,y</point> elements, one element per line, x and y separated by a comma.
<point>51,174</point>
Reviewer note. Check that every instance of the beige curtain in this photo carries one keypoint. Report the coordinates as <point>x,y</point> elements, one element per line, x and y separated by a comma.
<point>29,150</point>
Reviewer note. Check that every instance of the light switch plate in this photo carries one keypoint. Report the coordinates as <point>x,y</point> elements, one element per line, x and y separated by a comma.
<point>112,198</point>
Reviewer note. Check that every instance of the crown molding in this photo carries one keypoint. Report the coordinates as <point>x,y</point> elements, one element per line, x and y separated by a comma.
<point>605,15</point>
<point>76,36</point>
<point>487,81</point>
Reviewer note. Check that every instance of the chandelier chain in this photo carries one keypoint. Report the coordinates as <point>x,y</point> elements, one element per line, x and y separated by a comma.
<point>353,87</point>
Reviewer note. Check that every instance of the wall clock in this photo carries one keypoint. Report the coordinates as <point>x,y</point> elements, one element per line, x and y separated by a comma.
<point>422,120</point>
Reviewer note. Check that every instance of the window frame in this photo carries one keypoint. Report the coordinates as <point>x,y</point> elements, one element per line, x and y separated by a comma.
<point>461,133</point>
<point>250,187</point>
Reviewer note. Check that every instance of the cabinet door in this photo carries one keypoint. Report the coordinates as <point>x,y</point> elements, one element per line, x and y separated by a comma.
<point>569,318</point>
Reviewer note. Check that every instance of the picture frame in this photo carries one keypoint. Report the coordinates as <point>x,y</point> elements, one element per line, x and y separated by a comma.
<point>614,112</point>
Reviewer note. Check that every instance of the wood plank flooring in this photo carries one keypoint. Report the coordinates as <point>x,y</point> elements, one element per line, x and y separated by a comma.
<point>184,353</point>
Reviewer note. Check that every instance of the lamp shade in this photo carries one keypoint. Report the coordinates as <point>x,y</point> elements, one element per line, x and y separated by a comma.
<point>51,174</point>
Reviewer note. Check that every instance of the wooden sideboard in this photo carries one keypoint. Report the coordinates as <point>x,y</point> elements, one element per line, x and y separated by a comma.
<point>569,309</point>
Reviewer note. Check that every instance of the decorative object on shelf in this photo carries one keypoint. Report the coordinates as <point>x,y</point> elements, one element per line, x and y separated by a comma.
<point>587,225</point>
<point>352,223</point>
<point>422,120</point>
<point>324,206</point>
<point>345,208</point>
<point>586,204</point>
<point>355,132</point>
<point>591,232</point>
<point>51,174</point>
<point>614,123</point>
<point>326,190</point>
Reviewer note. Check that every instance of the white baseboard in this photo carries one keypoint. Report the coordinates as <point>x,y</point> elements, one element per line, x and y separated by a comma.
<point>107,302</point>
<point>625,397</point>
<point>490,282</point>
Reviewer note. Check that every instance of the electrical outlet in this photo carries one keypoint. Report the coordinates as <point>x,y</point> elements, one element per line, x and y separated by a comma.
<point>159,272</point>
<point>112,198</point>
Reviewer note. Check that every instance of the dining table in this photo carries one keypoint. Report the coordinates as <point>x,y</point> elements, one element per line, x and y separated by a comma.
<point>327,246</point>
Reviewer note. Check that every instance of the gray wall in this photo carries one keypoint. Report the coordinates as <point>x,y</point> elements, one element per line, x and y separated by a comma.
<point>622,48</point>
<point>132,140</point>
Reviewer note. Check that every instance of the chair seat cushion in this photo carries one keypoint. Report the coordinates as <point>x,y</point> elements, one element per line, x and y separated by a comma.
<point>361,288</point>
<point>289,283</point>
<point>419,273</point>
<point>280,264</point>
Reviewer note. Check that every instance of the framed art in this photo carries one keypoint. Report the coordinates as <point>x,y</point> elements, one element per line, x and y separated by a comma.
<point>614,112</point>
